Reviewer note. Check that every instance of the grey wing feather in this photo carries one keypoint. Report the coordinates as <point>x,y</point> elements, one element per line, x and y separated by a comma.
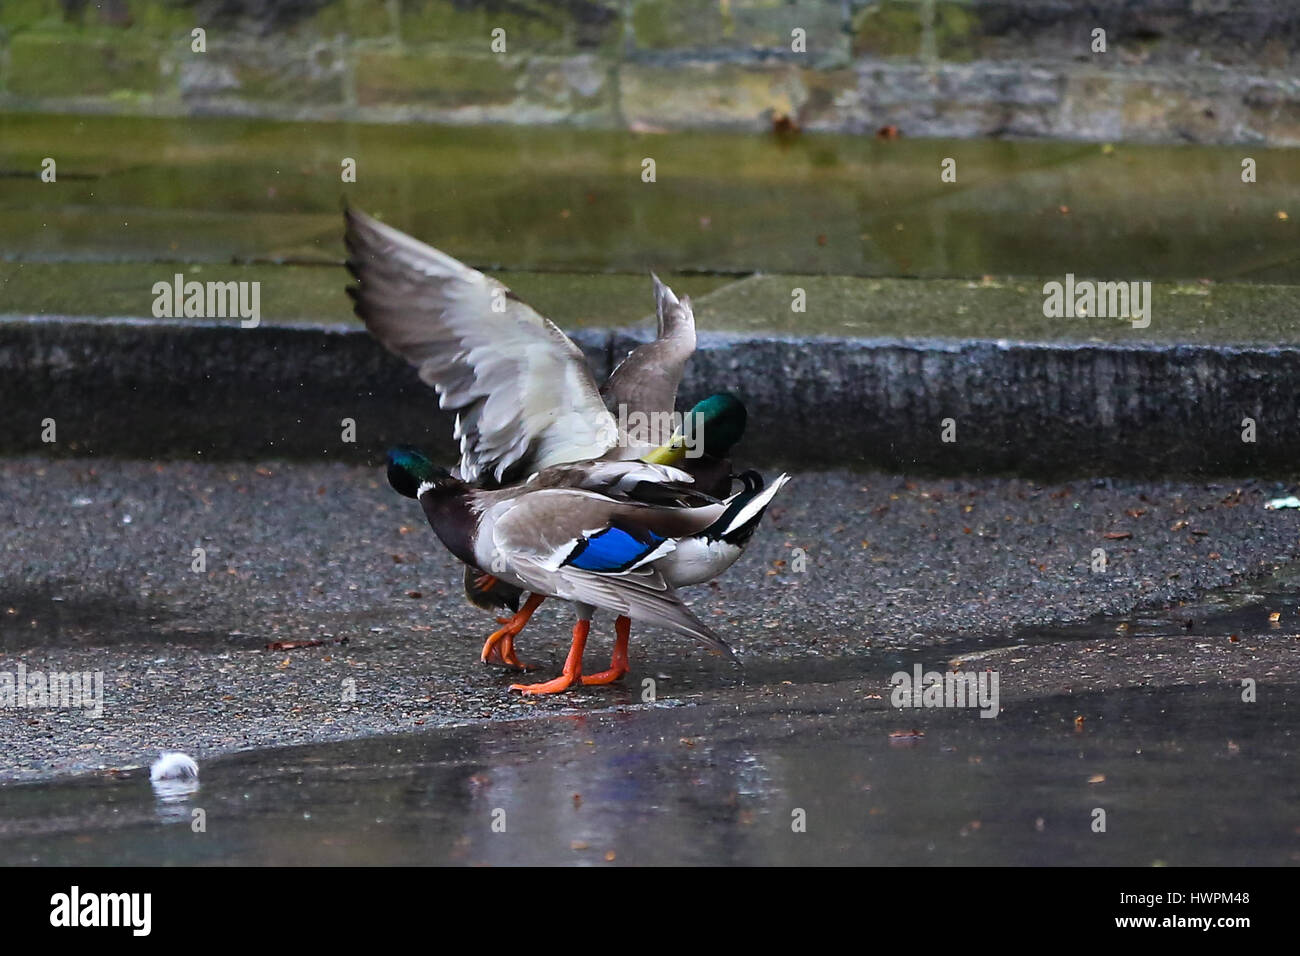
<point>524,396</point>
<point>647,380</point>
<point>610,476</point>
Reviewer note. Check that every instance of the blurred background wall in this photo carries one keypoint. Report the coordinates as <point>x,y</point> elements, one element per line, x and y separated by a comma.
<point>1210,71</point>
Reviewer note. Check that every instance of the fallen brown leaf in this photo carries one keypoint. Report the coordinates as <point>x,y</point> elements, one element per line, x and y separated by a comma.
<point>291,645</point>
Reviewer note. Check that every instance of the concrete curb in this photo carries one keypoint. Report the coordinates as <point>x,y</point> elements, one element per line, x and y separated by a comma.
<point>148,388</point>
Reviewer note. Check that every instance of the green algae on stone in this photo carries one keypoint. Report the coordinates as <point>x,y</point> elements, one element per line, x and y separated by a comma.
<point>583,300</point>
<point>370,19</point>
<point>995,309</point>
<point>19,15</point>
<point>835,306</point>
<point>955,36</point>
<point>436,78</point>
<point>888,28</point>
<point>742,25</point>
<point>529,25</point>
<point>287,293</point>
<point>284,75</point>
<point>160,20</point>
<point>656,26</point>
<point>738,95</point>
<point>64,64</point>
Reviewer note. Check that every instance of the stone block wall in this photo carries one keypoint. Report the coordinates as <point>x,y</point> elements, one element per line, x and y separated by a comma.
<point>1171,71</point>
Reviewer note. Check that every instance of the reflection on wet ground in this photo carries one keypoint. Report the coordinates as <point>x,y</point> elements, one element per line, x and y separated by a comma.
<point>415,769</point>
<point>1182,778</point>
<point>223,190</point>
<point>779,771</point>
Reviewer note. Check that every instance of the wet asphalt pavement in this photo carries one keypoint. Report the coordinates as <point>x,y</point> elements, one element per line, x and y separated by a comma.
<point>1120,689</point>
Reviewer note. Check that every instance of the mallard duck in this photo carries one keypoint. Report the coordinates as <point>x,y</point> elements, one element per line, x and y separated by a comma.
<point>643,391</point>
<point>559,535</point>
<point>524,398</point>
<point>694,559</point>
<point>471,337</point>
<point>701,449</point>
<point>642,388</point>
<point>701,446</point>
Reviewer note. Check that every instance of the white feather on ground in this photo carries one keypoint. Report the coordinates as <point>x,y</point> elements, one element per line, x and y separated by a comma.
<point>173,765</point>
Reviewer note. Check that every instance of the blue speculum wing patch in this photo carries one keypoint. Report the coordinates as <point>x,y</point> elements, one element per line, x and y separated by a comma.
<point>613,549</point>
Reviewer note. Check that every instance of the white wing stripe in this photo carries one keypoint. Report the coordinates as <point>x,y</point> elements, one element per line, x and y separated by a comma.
<point>756,504</point>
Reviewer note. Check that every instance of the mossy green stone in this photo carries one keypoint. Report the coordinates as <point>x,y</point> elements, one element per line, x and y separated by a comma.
<point>158,18</point>
<point>368,19</point>
<point>65,64</point>
<point>19,15</point>
<point>436,78</point>
<point>529,26</point>
<point>888,28</point>
<point>995,309</point>
<point>955,32</point>
<point>740,25</point>
<point>665,24</point>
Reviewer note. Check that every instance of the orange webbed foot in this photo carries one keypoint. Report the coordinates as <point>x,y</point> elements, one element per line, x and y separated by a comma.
<point>499,649</point>
<point>503,652</point>
<point>618,662</point>
<point>556,686</point>
<point>603,677</point>
<point>572,666</point>
<point>500,646</point>
<point>507,656</point>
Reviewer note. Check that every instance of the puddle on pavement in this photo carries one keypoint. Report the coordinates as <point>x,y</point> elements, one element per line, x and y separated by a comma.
<point>1239,609</point>
<point>55,616</point>
<point>1182,779</point>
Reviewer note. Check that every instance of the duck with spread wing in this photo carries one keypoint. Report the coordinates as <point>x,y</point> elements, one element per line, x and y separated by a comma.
<point>550,496</point>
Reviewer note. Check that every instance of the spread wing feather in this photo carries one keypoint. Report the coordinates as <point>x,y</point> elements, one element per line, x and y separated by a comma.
<point>645,383</point>
<point>521,389</point>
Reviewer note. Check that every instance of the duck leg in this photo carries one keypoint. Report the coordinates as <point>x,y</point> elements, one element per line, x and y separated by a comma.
<point>500,646</point>
<point>617,663</point>
<point>572,665</point>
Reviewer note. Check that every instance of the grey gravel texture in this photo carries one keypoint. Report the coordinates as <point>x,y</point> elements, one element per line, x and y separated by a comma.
<point>96,574</point>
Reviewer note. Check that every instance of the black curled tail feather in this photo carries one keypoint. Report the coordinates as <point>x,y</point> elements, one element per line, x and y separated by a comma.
<point>753,485</point>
